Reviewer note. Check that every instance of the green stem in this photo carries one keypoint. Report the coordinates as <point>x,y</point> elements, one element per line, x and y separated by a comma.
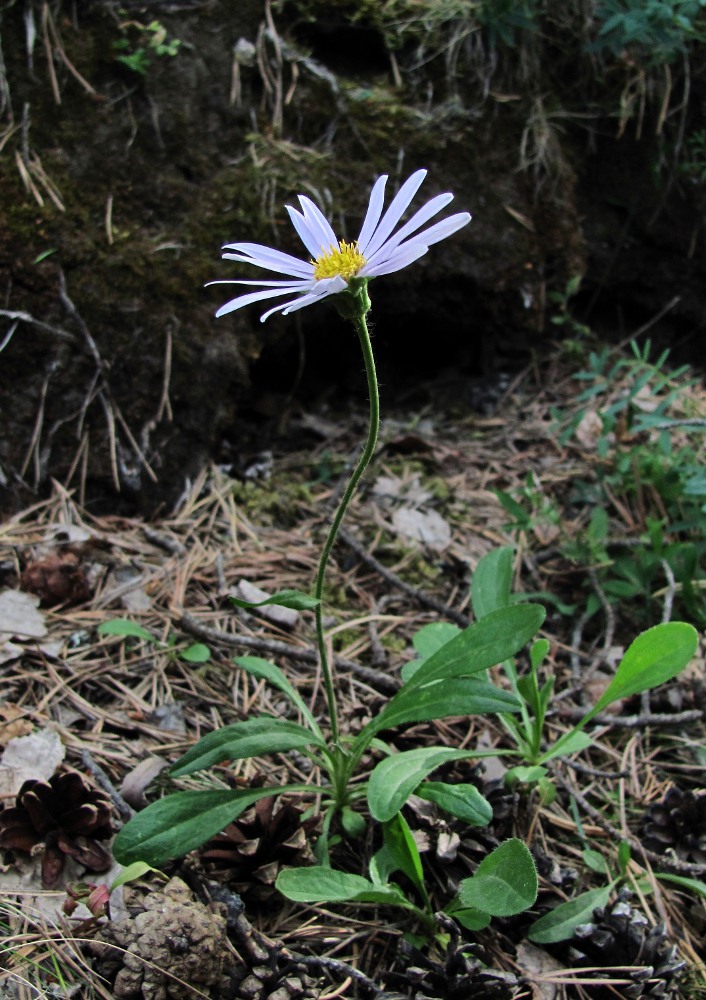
<point>361,305</point>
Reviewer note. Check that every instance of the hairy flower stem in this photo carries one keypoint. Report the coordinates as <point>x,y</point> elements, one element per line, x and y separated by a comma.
<point>354,305</point>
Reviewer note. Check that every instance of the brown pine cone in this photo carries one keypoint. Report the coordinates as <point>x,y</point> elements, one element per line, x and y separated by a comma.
<point>62,817</point>
<point>172,948</point>
<point>251,850</point>
<point>620,935</point>
<point>677,822</point>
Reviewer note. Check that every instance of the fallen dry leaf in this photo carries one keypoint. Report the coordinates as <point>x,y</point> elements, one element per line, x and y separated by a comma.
<point>428,527</point>
<point>34,756</point>
<point>20,617</point>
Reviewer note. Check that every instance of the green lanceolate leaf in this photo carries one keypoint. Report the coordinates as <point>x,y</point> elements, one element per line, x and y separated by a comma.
<point>124,627</point>
<point>524,774</point>
<point>462,801</point>
<point>441,699</point>
<point>505,883</point>
<point>572,742</point>
<point>426,641</point>
<point>496,637</point>
<point>559,924</point>
<point>654,657</point>
<point>181,822</point>
<point>402,850</point>
<point>394,779</point>
<point>134,871</point>
<point>492,582</point>
<point>267,671</point>
<point>692,884</point>
<point>326,885</point>
<point>250,738</point>
<point>539,650</point>
<point>196,653</point>
<point>295,599</point>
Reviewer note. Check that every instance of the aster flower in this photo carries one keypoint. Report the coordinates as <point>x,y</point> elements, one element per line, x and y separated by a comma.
<point>335,263</point>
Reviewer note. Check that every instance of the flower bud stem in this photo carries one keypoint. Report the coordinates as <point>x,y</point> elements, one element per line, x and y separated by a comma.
<point>354,304</point>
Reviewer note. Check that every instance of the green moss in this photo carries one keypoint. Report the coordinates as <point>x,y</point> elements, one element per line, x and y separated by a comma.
<point>278,502</point>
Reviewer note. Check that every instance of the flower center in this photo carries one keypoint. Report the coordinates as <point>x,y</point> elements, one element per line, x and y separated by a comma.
<point>345,261</point>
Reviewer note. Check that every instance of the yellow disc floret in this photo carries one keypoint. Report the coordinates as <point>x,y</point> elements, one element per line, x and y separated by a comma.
<point>345,261</point>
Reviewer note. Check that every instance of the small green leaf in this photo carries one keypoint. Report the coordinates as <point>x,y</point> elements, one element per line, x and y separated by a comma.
<point>394,779</point>
<point>462,801</point>
<point>124,627</point>
<point>433,636</point>
<point>624,854</point>
<point>402,850</point>
<point>559,924</point>
<point>538,651</point>
<point>295,599</point>
<point>572,742</point>
<point>267,671</point>
<point>262,735</point>
<point>654,657</point>
<point>427,641</point>
<point>352,822</point>
<point>440,700</point>
<point>178,823</point>
<point>134,871</point>
<point>43,255</point>
<point>595,861</point>
<point>493,639</point>
<point>326,885</point>
<point>471,919</point>
<point>492,582</point>
<point>522,517</point>
<point>197,653</point>
<point>524,775</point>
<point>547,791</point>
<point>694,885</point>
<point>505,883</point>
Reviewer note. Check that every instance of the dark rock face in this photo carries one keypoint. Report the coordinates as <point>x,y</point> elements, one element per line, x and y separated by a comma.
<point>137,143</point>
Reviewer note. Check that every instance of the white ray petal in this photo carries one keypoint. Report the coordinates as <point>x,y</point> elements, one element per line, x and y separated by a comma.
<point>425,213</point>
<point>306,234</point>
<point>402,257</point>
<point>372,215</point>
<point>273,260</point>
<point>319,225</point>
<point>398,207</point>
<point>335,284</point>
<point>287,307</point>
<point>246,300</point>
<point>442,229</point>
<point>306,300</point>
<point>297,286</point>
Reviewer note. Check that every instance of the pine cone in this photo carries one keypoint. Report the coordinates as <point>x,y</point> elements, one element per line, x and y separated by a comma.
<point>172,948</point>
<point>460,976</point>
<point>677,822</point>
<point>619,935</point>
<point>251,851</point>
<point>59,578</point>
<point>262,983</point>
<point>64,817</point>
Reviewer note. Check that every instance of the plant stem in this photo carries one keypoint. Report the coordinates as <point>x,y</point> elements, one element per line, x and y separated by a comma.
<point>361,305</point>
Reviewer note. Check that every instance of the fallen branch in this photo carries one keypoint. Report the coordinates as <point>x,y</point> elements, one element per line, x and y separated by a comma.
<point>376,679</point>
<point>427,600</point>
